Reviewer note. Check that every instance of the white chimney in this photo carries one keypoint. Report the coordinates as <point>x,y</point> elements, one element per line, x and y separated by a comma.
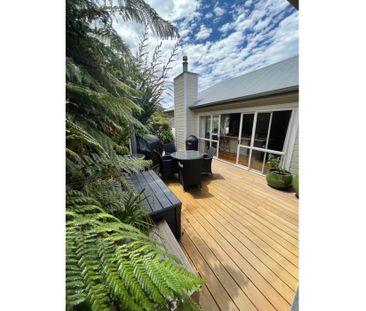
<point>185,63</point>
<point>185,93</point>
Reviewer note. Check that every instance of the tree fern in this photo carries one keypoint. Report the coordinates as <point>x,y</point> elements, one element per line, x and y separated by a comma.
<point>75,133</point>
<point>110,263</point>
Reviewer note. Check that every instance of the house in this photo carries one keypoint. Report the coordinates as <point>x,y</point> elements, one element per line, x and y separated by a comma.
<point>245,118</point>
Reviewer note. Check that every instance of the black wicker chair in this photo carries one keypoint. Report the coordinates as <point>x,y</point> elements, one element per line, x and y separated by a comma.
<point>169,148</point>
<point>189,173</point>
<point>207,161</point>
<point>168,165</point>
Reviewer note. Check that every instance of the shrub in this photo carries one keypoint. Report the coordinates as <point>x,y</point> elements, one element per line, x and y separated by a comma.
<point>274,164</point>
<point>164,133</point>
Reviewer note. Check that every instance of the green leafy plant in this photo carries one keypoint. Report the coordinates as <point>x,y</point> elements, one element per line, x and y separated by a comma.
<point>111,263</point>
<point>165,134</point>
<point>274,164</point>
<point>152,74</point>
<point>113,266</point>
<point>163,131</point>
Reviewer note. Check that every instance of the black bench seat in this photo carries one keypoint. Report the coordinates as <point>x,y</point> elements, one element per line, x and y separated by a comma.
<point>161,203</point>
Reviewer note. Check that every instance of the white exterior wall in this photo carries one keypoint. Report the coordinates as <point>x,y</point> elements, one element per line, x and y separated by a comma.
<point>294,164</point>
<point>179,125</point>
<point>185,93</point>
<point>192,92</point>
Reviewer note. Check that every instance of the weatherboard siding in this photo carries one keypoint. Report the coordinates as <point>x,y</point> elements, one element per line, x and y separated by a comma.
<point>294,165</point>
<point>185,122</point>
<point>192,91</point>
<point>288,100</point>
<point>179,112</point>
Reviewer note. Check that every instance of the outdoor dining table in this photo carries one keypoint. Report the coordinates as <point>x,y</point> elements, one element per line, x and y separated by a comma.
<point>187,155</point>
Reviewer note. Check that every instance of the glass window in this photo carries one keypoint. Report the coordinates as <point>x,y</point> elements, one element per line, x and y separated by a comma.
<point>224,125</point>
<point>244,156</point>
<point>261,129</point>
<point>246,129</point>
<point>205,124</point>
<point>214,144</point>
<point>279,125</point>
<point>215,127</point>
<point>256,162</point>
<point>203,145</point>
<point>229,135</point>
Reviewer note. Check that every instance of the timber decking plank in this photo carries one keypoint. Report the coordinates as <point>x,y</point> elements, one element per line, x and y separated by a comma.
<point>261,283</point>
<point>206,300</point>
<point>243,236</point>
<point>255,269</point>
<point>219,293</point>
<point>274,210</point>
<point>255,245</point>
<point>263,224</point>
<point>258,213</point>
<point>258,299</point>
<point>224,209</point>
<point>233,289</point>
<point>281,255</point>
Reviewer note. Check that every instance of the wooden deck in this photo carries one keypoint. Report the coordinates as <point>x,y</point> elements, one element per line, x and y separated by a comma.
<point>242,238</point>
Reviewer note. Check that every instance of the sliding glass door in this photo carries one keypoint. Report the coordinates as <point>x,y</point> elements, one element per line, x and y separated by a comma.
<point>229,137</point>
<point>208,134</point>
<point>204,133</point>
<point>262,134</point>
<point>245,139</point>
<point>215,125</point>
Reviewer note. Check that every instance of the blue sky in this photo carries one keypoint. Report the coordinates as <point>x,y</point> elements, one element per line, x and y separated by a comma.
<point>223,39</point>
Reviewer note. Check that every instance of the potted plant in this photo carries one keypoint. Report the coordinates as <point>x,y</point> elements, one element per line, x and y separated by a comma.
<point>277,176</point>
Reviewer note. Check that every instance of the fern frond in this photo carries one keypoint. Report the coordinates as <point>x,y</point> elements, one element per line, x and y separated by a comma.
<point>111,262</point>
<point>120,107</point>
<point>141,12</point>
<point>72,154</point>
<point>75,132</point>
<point>106,251</point>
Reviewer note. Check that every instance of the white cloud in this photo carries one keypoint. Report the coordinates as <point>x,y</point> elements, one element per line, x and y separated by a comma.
<point>175,9</point>
<point>262,24</point>
<point>219,11</point>
<point>233,54</point>
<point>131,33</point>
<point>204,33</point>
<point>226,27</point>
<point>208,15</point>
<point>248,3</point>
<point>226,58</point>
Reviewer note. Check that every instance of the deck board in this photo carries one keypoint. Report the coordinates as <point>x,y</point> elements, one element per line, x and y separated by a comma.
<point>242,238</point>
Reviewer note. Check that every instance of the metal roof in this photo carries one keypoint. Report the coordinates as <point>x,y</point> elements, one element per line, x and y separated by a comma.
<point>169,109</point>
<point>278,78</point>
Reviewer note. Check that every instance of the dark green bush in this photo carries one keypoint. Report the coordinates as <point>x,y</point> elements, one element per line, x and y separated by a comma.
<point>164,133</point>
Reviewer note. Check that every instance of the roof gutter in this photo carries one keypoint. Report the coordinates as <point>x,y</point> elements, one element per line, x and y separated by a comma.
<point>284,91</point>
